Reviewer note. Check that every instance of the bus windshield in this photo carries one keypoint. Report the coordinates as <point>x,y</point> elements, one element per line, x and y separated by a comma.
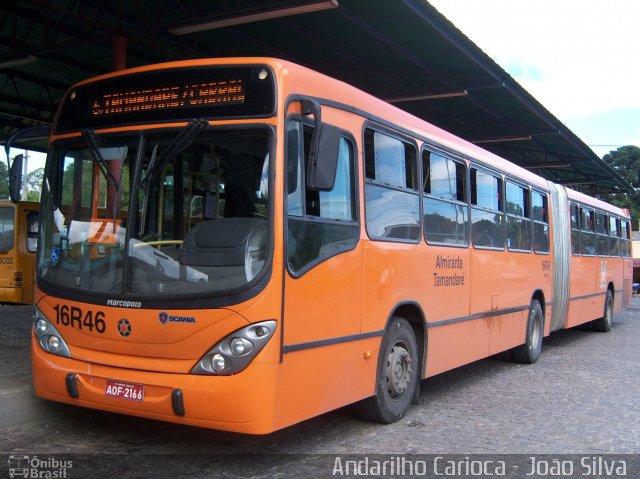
<point>168,212</point>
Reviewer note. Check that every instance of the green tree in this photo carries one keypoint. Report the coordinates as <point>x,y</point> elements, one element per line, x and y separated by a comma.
<point>626,162</point>
<point>4,180</point>
<point>33,182</point>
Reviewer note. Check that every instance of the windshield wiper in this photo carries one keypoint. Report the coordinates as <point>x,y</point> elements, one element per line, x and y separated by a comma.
<point>181,141</point>
<point>145,189</point>
<point>90,138</point>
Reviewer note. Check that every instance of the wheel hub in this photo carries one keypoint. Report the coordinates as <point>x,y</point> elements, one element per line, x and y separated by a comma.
<point>399,370</point>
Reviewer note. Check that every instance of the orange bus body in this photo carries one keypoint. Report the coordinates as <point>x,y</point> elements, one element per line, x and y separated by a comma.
<point>18,244</point>
<point>332,316</point>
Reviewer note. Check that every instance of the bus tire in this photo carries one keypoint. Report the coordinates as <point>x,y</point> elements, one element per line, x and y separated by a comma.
<point>529,352</point>
<point>603,324</point>
<point>397,374</point>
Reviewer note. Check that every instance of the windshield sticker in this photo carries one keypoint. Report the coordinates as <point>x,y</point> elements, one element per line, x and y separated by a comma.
<point>54,257</point>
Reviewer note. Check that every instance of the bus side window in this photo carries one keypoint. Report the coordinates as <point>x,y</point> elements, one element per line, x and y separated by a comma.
<point>487,220</point>
<point>575,229</point>
<point>602,232</point>
<point>614,236</point>
<point>320,224</point>
<point>540,216</point>
<point>32,231</point>
<point>391,188</point>
<point>446,214</point>
<point>625,242</point>
<point>518,217</point>
<point>7,223</point>
<point>587,236</point>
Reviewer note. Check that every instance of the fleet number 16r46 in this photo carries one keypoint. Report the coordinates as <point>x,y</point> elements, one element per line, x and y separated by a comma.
<point>78,319</point>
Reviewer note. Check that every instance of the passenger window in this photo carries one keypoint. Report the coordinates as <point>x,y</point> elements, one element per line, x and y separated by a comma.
<point>392,199</point>
<point>7,223</point>
<point>390,161</point>
<point>487,220</point>
<point>32,231</point>
<point>614,238</point>
<point>575,229</point>
<point>446,214</point>
<point>518,223</point>
<point>443,177</point>
<point>602,234</point>
<point>625,242</point>
<point>485,190</point>
<point>587,233</point>
<point>320,224</point>
<point>540,214</point>
<point>338,203</point>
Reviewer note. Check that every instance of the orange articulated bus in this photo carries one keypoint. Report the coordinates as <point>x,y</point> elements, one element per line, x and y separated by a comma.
<point>18,245</point>
<point>243,244</point>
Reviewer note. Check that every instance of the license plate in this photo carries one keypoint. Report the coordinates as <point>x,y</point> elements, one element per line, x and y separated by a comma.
<point>122,390</point>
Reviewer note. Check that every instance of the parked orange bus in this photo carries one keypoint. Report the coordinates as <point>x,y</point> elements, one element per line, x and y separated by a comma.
<point>18,245</point>
<point>242,244</point>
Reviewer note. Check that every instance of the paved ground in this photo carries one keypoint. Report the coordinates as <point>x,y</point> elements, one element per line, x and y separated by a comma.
<point>582,397</point>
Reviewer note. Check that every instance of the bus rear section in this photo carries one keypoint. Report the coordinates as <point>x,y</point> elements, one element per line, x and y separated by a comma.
<point>18,245</point>
<point>599,260</point>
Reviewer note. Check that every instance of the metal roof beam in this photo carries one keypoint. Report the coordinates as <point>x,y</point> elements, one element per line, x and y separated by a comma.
<point>515,138</point>
<point>389,42</point>
<point>251,15</point>
<point>35,80</point>
<point>429,96</point>
<point>26,116</point>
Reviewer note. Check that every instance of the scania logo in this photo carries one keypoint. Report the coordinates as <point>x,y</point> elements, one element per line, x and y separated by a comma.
<point>124,327</point>
<point>168,318</point>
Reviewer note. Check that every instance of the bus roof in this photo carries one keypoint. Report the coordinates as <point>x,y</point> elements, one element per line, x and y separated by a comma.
<point>318,85</point>
<point>596,203</point>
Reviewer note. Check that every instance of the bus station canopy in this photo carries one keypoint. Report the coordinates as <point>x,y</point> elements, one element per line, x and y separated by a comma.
<point>403,51</point>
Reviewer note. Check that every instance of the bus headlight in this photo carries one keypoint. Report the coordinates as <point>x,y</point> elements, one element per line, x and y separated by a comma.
<point>48,336</point>
<point>53,342</point>
<point>240,346</point>
<point>41,325</point>
<point>236,351</point>
<point>218,363</point>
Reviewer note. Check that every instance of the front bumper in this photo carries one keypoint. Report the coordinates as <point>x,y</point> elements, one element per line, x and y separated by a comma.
<point>243,403</point>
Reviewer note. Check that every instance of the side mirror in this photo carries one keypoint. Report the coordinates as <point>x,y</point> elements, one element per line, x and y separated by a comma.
<point>321,171</point>
<point>15,169</point>
<point>15,178</point>
<point>323,156</point>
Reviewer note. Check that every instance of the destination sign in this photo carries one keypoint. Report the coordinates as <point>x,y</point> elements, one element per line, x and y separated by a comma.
<point>170,95</point>
<point>220,92</point>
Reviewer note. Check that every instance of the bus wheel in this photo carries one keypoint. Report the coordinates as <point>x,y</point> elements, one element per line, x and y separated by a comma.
<point>603,324</point>
<point>397,374</point>
<point>529,352</point>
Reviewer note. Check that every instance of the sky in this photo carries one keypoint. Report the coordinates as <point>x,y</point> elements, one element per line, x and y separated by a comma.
<point>579,58</point>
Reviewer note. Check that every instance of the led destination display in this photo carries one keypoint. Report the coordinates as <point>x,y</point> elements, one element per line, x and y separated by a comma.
<point>179,94</point>
<point>222,92</point>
